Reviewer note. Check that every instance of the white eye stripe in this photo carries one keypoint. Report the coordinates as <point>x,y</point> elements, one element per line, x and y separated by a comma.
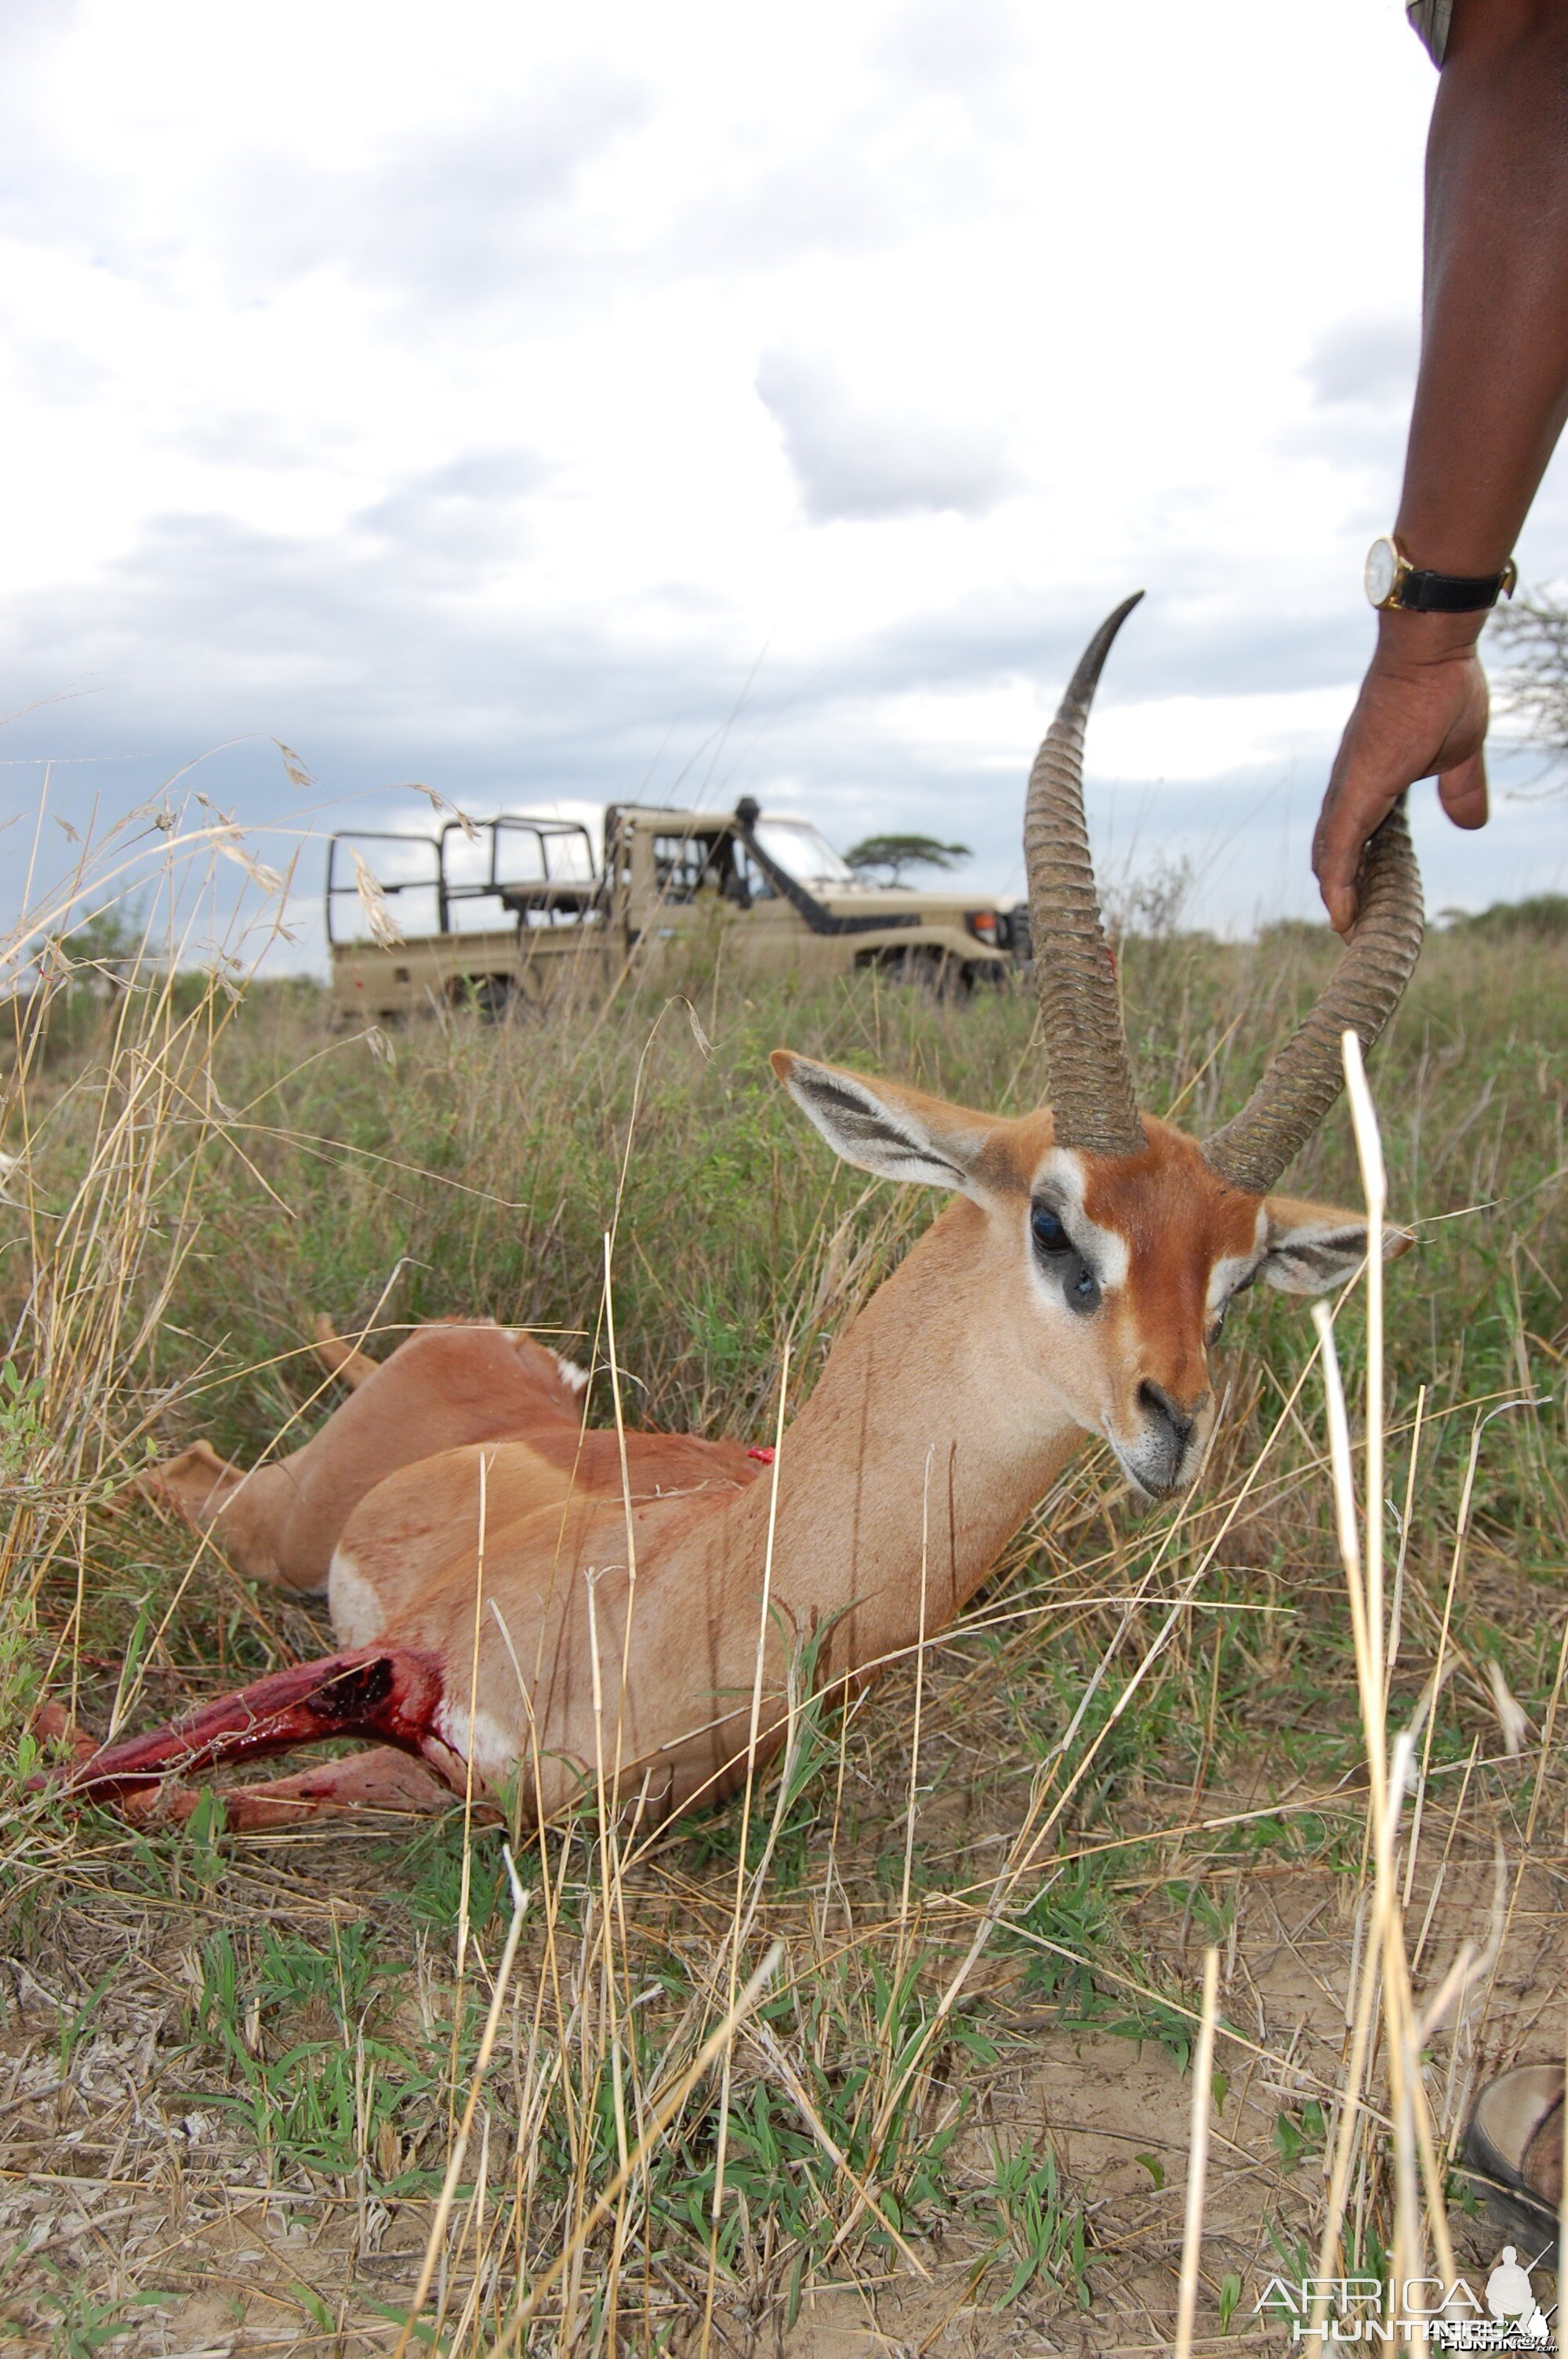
<point>1234,1269</point>
<point>1226,1276</point>
<point>1061,1172</point>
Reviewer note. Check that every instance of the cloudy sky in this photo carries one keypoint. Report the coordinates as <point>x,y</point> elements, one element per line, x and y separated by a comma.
<point>554,405</point>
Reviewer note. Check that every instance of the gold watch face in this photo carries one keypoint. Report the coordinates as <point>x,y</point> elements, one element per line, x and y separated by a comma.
<point>1382,570</point>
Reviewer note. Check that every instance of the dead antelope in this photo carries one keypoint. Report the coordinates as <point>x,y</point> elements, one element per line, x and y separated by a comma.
<point>524,1607</point>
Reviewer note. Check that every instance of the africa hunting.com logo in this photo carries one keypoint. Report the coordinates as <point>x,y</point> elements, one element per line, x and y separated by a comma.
<point>1444,2317</point>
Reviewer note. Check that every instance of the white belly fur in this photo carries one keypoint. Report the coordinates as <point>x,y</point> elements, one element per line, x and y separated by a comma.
<point>356,1610</point>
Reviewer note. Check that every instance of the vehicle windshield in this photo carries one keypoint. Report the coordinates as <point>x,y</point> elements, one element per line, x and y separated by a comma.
<point>796,846</point>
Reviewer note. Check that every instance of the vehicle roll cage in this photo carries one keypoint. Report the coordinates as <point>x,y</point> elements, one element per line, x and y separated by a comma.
<point>545,894</point>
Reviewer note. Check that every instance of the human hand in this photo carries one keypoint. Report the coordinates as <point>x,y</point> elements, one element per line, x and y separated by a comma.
<point>1422,712</point>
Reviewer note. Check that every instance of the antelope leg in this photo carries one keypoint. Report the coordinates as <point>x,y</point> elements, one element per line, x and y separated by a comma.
<point>390,1693</point>
<point>198,1485</point>
<point>339,1359</point>
<point>383,1779</point>
<point>55,1726</point>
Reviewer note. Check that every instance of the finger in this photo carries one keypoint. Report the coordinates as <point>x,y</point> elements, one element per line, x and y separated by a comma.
<point>1336,874</point>
<point>1463,792</point>
<point>1328,862</point>
<point>1350,817</point>
<point>1342,906</point>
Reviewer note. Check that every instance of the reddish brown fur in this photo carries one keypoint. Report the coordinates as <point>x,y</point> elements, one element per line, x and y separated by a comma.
<point>1177,1221</point>
<point>444,1388</point>
<point>468,1517</point>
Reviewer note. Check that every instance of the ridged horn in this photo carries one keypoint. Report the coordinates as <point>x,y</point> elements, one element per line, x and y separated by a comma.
<point>1308,1074</point>
<point>1091,1080</point>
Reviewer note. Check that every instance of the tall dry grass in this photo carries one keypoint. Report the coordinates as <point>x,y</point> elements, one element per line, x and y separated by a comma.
<point>819,2049</point>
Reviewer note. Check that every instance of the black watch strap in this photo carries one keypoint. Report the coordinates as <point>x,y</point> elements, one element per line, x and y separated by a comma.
<point>1454,593</point>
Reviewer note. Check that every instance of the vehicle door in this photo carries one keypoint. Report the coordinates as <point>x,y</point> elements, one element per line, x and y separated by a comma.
<point>678,883</point>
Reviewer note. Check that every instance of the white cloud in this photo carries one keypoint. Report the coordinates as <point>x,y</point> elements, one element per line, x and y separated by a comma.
<point>1371,360</point>
<point>1190,737</point>
<point>853,459</point>
<point>389,382</point>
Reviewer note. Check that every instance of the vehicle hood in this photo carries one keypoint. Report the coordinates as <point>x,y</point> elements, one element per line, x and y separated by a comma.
<point>904,901</point>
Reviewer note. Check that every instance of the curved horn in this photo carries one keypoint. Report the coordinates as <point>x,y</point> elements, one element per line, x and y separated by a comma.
<point>1308,1074</point>
<point>1091,1081</point>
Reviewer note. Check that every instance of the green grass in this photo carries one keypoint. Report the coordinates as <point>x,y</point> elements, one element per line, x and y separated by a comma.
<point>1042,2232</point>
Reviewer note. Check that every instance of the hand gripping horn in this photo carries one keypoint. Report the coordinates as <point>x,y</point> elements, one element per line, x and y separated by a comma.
<point>1086,1051</point>
<point>1308,1074</point>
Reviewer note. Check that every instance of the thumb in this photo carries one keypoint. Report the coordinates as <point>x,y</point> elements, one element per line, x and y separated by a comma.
<point>1463,792</point>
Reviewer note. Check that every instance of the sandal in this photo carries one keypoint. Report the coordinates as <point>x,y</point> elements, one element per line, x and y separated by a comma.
<point>1513,2150</point>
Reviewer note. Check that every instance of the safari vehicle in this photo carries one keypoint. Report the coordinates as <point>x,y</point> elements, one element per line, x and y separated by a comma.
<point>514,912</point>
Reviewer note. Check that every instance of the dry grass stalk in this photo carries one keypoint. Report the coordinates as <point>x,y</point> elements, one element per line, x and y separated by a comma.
<point>1385,1964</point>
<point>459,2155</point>
<point>661,2114</point>
<point>1197,2158</point>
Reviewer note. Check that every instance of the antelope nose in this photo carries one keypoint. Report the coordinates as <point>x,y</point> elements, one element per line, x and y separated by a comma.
<point>1177,1420</point>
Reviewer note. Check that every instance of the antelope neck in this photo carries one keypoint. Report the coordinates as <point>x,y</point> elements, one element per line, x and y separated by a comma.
<point>927,1438</point>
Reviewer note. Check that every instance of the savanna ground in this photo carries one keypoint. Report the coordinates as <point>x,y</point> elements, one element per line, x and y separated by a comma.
<point>955,2119</point>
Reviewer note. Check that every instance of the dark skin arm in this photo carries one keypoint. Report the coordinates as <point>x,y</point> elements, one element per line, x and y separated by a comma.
<point>1490,402</point>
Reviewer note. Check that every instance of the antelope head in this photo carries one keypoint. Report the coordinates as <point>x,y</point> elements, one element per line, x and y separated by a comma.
<point>1106,1247</point>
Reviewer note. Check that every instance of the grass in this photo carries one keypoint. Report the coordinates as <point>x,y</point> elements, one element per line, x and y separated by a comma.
<point>232,2072</point>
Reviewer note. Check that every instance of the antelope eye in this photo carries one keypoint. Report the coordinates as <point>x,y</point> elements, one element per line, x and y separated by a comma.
<point>1047,1231</point>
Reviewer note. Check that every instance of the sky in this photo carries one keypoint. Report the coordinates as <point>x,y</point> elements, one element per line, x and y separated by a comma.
<point>556,405</point>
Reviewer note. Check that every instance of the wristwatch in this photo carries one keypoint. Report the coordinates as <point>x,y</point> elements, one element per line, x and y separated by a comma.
<point>1392,580</point>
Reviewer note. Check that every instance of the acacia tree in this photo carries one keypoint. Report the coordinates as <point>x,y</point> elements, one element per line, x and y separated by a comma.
<point>893,853</point>
<point>1532,687</point>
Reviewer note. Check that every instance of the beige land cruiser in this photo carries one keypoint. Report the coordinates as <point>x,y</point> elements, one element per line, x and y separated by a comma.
<point>514,912</point>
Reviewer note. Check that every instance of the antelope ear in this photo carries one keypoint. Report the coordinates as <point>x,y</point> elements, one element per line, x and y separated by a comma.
<point>1312,1247</point>
<point>884,1128</point>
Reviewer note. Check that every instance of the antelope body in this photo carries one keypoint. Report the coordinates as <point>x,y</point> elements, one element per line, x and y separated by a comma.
<point>528,1606</point>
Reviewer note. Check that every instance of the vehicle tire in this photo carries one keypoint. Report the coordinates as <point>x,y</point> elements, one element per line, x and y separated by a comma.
<point>932,972</point>
<point>494,998</point>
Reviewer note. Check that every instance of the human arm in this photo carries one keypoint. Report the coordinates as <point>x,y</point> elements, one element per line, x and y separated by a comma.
<point>1490,401</point>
